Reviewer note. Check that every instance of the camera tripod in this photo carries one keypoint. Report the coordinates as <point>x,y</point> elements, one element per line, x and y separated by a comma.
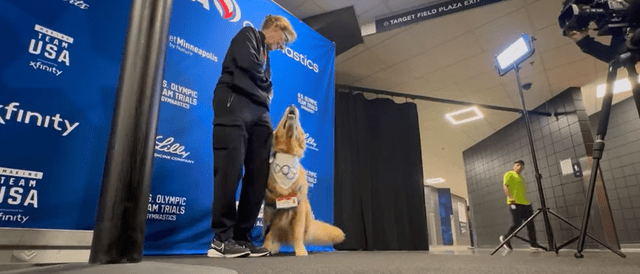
<point>627,58</point>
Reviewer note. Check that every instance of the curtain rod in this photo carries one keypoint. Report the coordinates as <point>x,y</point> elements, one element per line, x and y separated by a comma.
<point>438,100</point>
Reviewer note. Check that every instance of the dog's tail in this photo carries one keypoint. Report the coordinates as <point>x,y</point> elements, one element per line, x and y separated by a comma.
<point>323,233</point>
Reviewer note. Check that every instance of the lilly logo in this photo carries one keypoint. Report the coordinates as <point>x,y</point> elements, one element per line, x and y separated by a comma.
<point>228,9</point>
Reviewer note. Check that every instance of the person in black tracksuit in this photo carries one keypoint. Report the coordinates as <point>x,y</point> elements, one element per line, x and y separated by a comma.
<point>242,135</point>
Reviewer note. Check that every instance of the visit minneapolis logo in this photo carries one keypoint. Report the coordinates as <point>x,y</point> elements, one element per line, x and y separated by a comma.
<point>189,49</point>
<point>52,50</point>
<point>228,9</point>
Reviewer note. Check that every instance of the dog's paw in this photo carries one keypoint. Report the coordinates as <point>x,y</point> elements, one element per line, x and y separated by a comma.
<point>274,248</point>
<point>302,253</point>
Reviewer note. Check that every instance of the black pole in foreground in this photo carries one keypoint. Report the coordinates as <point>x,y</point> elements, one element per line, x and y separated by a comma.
<point>119,232</point>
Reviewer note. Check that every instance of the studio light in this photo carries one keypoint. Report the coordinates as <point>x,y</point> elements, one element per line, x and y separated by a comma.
<point>514,54</point>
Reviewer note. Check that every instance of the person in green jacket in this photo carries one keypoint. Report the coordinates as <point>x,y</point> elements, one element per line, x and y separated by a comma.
<point>520,207</point>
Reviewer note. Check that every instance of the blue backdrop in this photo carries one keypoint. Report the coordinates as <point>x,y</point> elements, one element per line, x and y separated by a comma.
<point>179,215</point>
<point>59,67</point>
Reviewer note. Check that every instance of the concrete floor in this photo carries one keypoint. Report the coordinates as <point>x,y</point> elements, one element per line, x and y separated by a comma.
<point>437,260</point>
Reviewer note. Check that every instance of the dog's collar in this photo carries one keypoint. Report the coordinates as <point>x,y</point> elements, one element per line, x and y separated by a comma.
<point>275,206</point>
<point>285,168</point>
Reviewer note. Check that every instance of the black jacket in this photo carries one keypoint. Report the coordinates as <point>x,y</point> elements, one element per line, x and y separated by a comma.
<point>245,68</point>
<point>600,51</point>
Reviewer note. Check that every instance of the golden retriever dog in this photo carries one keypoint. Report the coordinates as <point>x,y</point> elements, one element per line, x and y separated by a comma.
<point>287,212</point>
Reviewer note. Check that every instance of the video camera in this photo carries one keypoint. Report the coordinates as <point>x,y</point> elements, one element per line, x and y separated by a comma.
<point>606,14</point>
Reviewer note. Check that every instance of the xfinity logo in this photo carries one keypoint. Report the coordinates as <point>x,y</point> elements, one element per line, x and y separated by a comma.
<point>34,118</point>
<point>78,3</point>
<point>13,218</point>
<point>228,9</point>
<point>40,66</point>
<point>301,58</point>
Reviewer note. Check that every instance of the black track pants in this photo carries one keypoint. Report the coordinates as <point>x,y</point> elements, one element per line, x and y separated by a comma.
<point>242,136</point>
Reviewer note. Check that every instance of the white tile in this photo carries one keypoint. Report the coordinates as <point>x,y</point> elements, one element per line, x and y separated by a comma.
<point>544,13</point>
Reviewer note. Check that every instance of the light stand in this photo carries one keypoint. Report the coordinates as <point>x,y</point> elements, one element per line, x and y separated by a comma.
<point>509,59</point>
<point>628,58</point>
<point>520,51</point>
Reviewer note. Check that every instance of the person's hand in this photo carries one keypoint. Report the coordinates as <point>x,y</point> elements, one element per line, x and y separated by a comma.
<point>577,35</point>
<point>512,202</point>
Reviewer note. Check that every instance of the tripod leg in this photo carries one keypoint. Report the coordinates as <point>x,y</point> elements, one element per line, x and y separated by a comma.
<point>589,235</point>
<point>598,148</point>
<point>566,244</point>
<point>517,230</point>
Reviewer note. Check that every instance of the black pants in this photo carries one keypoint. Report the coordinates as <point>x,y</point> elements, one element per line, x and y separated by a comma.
<point>519,215</point>
<point>242,136</point>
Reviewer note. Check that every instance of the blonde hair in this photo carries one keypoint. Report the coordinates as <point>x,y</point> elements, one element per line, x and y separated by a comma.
<point>281,23</point>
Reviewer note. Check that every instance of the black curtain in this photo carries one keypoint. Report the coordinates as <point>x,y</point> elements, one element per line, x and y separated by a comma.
<point>379,192</point>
